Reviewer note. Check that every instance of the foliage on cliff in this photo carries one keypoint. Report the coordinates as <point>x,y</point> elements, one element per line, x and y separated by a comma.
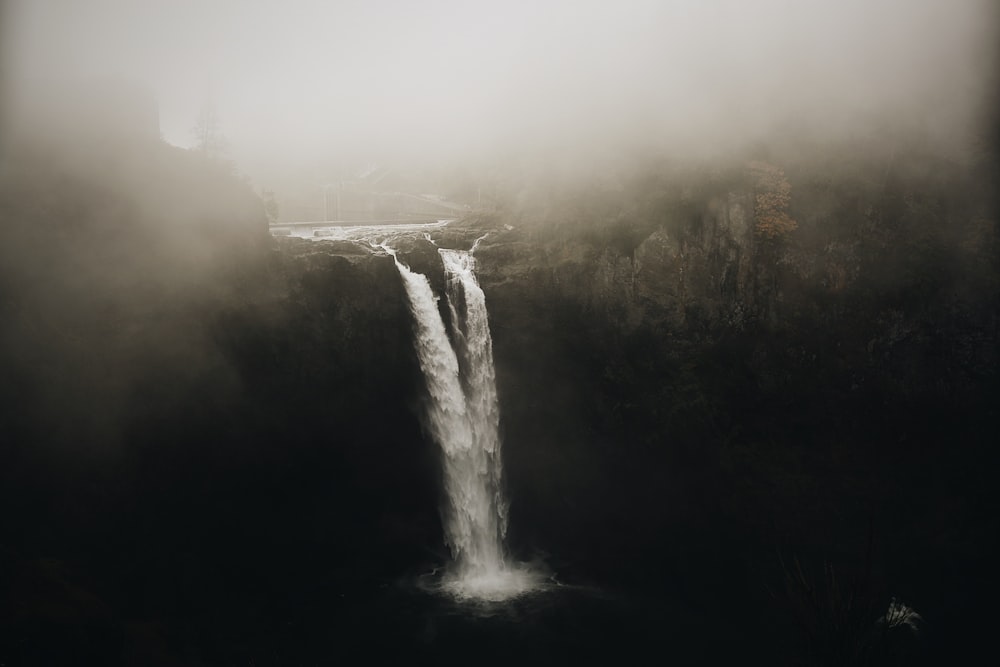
<point>772,195</point>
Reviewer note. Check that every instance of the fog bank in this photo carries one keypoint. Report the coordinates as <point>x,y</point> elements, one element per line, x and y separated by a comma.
<point>296,82</point>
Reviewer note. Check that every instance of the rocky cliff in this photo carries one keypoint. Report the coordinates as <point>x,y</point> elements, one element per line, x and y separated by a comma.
<point>203,419</point>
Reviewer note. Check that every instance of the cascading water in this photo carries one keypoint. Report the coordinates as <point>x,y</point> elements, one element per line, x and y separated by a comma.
<point>463,417</point>
<point>470,322</point>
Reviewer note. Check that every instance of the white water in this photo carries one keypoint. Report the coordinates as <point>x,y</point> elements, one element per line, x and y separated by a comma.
<point>470,324</point>
<point>463,417</point>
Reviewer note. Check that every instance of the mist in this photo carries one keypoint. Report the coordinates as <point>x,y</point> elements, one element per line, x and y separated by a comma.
<point>435,331</point>
<point>305,82</point>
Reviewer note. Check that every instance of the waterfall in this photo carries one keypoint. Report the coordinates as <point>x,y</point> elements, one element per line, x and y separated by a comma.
<point>462,416</point>
<point>470,323</point>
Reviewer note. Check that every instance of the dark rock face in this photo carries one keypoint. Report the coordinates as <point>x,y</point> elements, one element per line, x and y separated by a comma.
<point>709,271</point>
<point>703,272</point>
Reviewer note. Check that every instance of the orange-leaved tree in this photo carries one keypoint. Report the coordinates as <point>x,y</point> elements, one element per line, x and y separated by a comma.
<point>772,194</point>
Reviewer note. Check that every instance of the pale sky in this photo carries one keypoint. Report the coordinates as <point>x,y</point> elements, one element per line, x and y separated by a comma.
<point>297,79</point>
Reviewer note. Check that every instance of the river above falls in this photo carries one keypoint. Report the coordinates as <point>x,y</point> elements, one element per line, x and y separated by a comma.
<point>354,231</point>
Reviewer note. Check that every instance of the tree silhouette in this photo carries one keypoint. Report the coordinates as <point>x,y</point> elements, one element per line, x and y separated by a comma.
<point>209,139</point>
<point>270,204</point>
